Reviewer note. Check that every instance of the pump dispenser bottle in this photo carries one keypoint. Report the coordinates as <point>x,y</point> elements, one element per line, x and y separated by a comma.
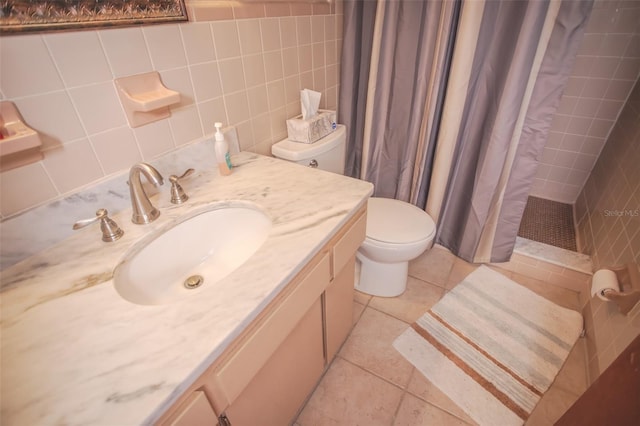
<point>222,152</point>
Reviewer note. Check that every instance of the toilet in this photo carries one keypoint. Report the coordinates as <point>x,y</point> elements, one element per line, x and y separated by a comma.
<point>397,232</point>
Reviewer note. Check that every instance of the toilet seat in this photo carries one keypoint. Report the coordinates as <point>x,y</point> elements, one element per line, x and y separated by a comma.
<point>392,222</point>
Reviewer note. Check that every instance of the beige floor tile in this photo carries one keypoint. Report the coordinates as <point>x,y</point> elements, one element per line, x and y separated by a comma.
<point>459,271</point>
<point>349,396</point>
<point>369,346</point>
<point>433,266</point>
<point>416,412</point>
<point>422,388</point>
<point>361,298</point>
<point>358,388</point>
<point>558,295</point>
<point>409,306</point>
<point>358,309</point>
<point>551,407</point>
<point>572,376</point>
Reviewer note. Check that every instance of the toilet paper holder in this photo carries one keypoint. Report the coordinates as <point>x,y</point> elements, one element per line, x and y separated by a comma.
<point>629,281</point>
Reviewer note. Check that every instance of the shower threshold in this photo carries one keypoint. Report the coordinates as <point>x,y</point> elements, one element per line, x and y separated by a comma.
<point>566,258</point>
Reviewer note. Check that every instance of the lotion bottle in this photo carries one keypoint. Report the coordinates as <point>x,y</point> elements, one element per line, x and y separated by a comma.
<point>222,152</point>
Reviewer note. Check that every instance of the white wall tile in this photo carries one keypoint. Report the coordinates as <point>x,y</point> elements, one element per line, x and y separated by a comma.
<point>211,112</point>
<point>185,125</point>
<point>237,107</point>
<point>63,84</point>
<point>26,68</point>
<point>98,106</point>
<point>198,42</point>
<point>206,81</point>
<point>273,65</point>
<point>165,46</point>
<point>254,70</point>
<point>225,34</point>
<point>232,75</point>
<point>79,57</point>
<point>126,51</point>
<point>154,139</point>
<point>179,79</point>
<point>290,61</point>
<point>53,116</point>
<point>85,170</point>
<point>303,24</point>
<point>288,32</point>
<point>258,101</point>
<point>317,29</point>
<point>261,125</point>
<point>249,33</point>
<point>116,149</point>
<point>270,30</point>
<point>24,187</point>
<point>279,124</point>
<point>275,91</point>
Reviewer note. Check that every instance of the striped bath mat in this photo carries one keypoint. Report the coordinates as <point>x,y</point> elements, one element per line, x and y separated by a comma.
<point>492,346</point>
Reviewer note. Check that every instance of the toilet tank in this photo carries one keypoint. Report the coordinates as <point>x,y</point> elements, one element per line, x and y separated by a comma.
<point>327,153</point>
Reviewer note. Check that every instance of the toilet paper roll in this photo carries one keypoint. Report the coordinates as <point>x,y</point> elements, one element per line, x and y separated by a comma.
<point>604,279</point>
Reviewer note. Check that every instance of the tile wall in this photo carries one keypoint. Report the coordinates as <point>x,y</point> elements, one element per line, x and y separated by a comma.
<point>604,72</point>
<point>242,64</point>
<point>608,213</point>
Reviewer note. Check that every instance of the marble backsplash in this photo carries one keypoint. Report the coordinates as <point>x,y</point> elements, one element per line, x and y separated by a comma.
<point>37,229</point>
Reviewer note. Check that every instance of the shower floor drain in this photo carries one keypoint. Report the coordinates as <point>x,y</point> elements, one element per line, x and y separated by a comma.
<point>194,281</point>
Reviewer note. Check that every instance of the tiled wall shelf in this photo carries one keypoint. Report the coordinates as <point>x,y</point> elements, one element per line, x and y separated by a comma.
<point>145,99</point>
<point>19,143</point>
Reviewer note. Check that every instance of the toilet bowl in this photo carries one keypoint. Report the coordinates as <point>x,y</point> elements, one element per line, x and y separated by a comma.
<point>397,232</point>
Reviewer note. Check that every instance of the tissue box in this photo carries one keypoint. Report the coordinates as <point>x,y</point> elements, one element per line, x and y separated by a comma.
<point>309,131</point>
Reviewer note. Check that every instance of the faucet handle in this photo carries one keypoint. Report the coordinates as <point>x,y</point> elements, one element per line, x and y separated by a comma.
<point>178,195</point>
<point>110,230</point>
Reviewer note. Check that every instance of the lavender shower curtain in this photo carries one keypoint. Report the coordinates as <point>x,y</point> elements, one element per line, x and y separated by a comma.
<point>394,64</point>
<point>448,106</point>
<point>514,85</point>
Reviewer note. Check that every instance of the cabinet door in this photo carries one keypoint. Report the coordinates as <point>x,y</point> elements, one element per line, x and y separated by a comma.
<point>339,308</point>
<point>237,372</point>
<point>277,392</point>
<point>195,411</point>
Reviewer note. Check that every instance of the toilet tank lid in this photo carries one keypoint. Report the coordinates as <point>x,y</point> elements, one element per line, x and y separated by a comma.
<point>296,151</point>
<point>396,222</point>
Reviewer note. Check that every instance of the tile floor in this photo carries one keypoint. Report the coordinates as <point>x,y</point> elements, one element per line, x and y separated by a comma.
<point>370,383</point>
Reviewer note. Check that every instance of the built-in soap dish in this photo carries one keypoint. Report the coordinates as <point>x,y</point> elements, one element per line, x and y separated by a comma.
<point>144,98</point>
<point>19,143</point>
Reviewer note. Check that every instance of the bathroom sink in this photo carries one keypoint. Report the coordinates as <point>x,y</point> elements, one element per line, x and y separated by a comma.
<point>191,256</point>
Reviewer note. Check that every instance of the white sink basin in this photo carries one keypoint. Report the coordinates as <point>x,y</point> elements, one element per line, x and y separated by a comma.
<point>199,251</point>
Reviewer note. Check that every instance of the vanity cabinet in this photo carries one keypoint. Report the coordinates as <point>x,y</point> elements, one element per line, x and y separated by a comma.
<point>269,371</point>
<point>194,411</point>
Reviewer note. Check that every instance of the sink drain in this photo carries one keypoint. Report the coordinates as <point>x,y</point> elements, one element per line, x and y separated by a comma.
<point>194,281</point>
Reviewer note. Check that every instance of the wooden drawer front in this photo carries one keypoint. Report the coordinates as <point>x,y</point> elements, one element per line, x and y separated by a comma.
<point>196,411</point>
<point>339,308</point>
<point>348,244</point>
<point>234,376</point>
<point>276,393</point>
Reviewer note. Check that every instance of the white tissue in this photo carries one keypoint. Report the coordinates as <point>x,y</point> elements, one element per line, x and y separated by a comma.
<point>309,103</point>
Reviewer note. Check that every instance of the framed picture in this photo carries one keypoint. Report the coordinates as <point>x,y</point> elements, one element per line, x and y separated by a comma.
<point>20,16</point>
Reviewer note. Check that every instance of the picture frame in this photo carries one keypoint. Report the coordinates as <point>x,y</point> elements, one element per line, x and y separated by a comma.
<point>24,16</point>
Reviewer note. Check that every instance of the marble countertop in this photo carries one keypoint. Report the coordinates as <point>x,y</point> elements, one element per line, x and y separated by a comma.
<point>74,352</point>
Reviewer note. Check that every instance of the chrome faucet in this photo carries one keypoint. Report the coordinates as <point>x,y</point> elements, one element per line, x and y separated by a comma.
<point>143,211</point>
